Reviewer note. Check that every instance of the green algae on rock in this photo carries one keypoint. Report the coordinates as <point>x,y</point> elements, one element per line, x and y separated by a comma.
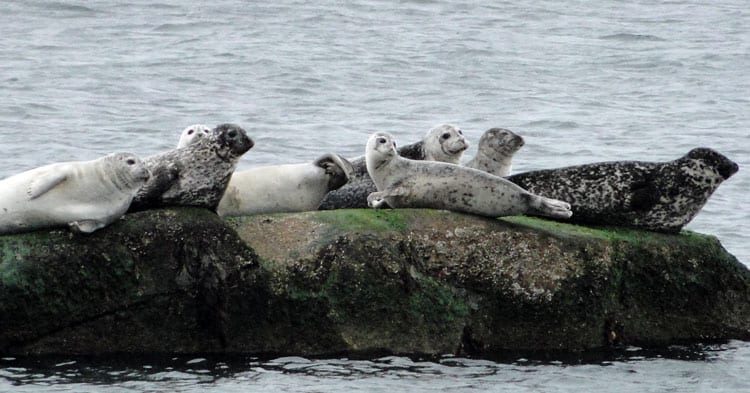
<point>396,281</point>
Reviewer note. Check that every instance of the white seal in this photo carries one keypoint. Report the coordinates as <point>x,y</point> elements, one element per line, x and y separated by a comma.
<point>284,188</point>
<point>445,143</point>
<point>495,151</point>
<point>85,195</point>
<point>193,133</point>
<point>402,182</point>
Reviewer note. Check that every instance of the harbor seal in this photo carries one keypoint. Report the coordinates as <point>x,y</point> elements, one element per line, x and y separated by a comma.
<point>402,182</point>
<point>495,151</point>
<point>445,143</point>
<point>193,133</point>
<point>84,195</point>
<point>194,175</point>
<point>657,196</point>
<point>284,188</point>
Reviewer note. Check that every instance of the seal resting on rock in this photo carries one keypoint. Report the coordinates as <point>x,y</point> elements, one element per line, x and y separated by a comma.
<point>445,143</point>
<point>495,151</point>
<point>194,175</point>
<point>658,196</point>
<point>193,133</point>
<point>85,195</point>
<point>284,188</point>
<point>402,182</point>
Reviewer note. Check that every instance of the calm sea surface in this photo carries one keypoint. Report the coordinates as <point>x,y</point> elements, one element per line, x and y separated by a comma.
<point>581,81</point>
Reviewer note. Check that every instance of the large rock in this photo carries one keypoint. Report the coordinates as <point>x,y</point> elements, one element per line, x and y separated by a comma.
<point>400,281</point>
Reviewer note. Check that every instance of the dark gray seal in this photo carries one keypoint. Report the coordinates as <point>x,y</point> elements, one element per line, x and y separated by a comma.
<point>495,151</point>
<point>402,182</point>
<point>445,143</point>
<point>657,196</point>
<point>194,175</point>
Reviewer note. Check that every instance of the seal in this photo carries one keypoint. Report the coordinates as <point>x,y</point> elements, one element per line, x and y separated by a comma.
<point>193,133</point>
<point>194,175</point>
<point>495,151</point>
<point>657,196</point>
<point>402,182</point>
<point>84,195</point>
<point>284,188</point>
<point>445,143</point>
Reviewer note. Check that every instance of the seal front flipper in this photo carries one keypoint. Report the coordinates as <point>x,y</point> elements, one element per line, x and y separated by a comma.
<point>644,195</point>
<point>86,226</point>
<point>163,177</point>
<point>42,184</point>
<point>377,199</point>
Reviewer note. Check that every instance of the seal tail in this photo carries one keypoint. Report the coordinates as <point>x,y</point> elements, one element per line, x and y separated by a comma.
<point>548,207</point>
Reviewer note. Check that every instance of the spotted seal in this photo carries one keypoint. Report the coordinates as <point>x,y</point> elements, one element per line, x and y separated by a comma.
<point>284,188</point>
<point>402,182</point>
<point>85,195</point>
<point>194,175</point>
<point>193,133</point>
<point>445,143</point>
<point>495,151</point>
<point>657,196</point>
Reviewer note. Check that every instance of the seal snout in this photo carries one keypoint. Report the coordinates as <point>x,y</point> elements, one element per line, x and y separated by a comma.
<point>727,169</point>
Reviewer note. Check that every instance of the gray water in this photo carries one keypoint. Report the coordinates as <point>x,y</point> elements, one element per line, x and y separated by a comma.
<point>581,81</point>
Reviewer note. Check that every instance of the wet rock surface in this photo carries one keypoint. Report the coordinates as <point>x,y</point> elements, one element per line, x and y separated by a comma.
<point>345,281</point>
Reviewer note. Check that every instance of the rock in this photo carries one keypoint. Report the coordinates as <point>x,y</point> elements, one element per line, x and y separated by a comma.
<point>356,281</point>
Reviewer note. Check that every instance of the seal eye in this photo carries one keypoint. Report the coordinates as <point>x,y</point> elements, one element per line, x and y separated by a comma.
<point>460,132</point>
<point>130,161</point>
<point>381,140</point>
<point>190,132</point>
<point>445,136</point>
<point>232,134</point>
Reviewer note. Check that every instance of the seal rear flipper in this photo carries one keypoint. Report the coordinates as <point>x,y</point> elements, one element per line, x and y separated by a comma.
<point>42,184</point>
<point>339,168</point>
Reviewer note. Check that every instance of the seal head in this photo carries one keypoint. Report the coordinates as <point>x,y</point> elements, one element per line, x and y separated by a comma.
<point>193,133</point>
<point>445,143</point>
<point>495,151</point>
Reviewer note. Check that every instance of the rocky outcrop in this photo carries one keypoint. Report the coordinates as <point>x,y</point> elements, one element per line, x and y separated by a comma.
<point>398,281</point>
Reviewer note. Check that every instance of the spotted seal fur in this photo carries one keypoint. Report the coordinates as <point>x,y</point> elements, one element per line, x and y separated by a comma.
<point>402,182</point>
<point>445,143</point>
<point>657,196</point>
<point>194,175</point>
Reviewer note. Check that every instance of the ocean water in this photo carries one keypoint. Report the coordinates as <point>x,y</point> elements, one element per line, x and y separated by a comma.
<point>581,81</point>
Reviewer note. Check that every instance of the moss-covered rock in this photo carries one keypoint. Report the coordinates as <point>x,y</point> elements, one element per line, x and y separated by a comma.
<point>399,281</point>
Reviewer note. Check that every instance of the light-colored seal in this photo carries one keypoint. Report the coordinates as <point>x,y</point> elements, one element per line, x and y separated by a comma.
<point>84,195</point>
<point>402,182</point>
<point>194,175</point>
<point>284,188</point>
<point>495,151</point>
<point>658,196</point>
<point>193,133</point>
<point>445,143</point>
